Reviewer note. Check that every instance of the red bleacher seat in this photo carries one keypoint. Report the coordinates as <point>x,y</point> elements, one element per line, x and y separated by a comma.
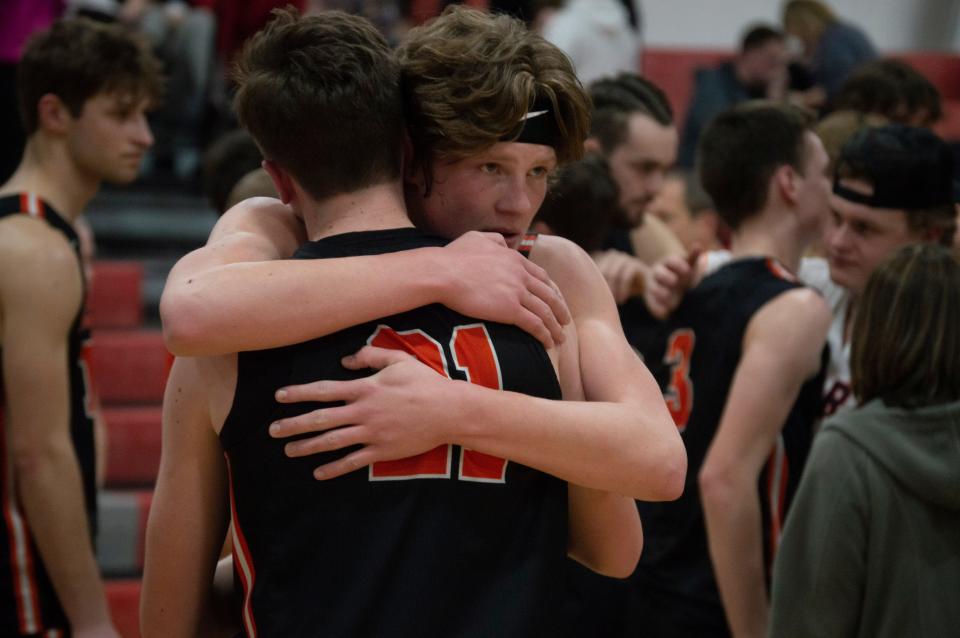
<point>673,69</point>
<point>130,366</point>
<point>116,295</point>
<point>133,435</point>
<point>123,596</point>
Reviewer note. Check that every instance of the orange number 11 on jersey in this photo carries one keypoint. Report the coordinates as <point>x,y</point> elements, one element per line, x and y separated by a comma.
<point>473,354</point>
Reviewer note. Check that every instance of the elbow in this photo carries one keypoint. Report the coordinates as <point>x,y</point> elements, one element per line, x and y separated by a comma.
<point>674,472</point>
<point>183,333</point>
<point>36,458</point>
<point>717,488</point>
<point>669,474</point>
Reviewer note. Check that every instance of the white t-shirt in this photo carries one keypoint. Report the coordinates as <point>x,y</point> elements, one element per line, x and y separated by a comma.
<point>815,273</point>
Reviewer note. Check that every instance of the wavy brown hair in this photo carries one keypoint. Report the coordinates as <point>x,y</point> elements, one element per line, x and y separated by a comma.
<point>469,77</point>
<point>906,347</point>
<point>77,59</point>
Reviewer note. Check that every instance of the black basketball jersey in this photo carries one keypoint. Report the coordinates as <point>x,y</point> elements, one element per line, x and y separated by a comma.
<point>694,356</point>
<point>28,604</point>
<point>448,543</point>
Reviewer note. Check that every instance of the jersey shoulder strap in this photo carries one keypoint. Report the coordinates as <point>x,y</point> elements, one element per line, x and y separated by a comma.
<point>526,244</point>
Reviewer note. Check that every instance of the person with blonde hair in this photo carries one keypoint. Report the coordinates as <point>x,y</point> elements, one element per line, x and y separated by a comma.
<point>871,547</point>
<point>832,48</point>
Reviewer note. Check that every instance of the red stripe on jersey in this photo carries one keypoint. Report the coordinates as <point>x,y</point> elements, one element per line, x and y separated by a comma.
<point>242,561</point>
<point>21,556</point>
<point>778,469</point>
<point>526,244</point>
<point>779,271</point>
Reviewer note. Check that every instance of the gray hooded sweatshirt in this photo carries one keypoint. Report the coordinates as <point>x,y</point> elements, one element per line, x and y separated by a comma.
<point>871,547</point>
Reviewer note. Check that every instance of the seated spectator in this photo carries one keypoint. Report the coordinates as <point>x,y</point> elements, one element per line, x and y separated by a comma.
<point>893,89</point>
<point>686,209</point>
<point>871,545</point>
<point>581,203</point>
<point>758,71</point>
<point>832,49</point>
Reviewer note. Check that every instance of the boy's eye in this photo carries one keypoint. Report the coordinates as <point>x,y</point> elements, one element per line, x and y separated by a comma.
<point>539,171</point>
<point>489,168</point>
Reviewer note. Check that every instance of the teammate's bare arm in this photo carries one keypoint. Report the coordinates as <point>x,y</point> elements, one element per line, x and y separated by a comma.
<point>189,514</point>
<point>40,287</point>
<point>621,439</point>
<point>782,348</point>
<point>232,294</point>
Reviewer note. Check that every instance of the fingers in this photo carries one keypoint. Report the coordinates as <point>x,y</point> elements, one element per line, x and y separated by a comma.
<point>323,391</point>
<point>350,463</point>
<point>496,238</point>
<point>327,442</point>
<point>548,304</point>
<point>313,421</point>
<point>544,288</point>
<point>534,326</point>
<point>373,357</point>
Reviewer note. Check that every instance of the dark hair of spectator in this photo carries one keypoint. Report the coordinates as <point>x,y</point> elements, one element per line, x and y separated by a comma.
<point>742,148</point>
<point>894,89</point>
<point>582,200</point>
<point>759,36</point>
<point>905,346</point>
<point>231,157</point>
<point>470,77</point>
<point>616,99</point>
<point>321,97</point>
<point>77,59</point>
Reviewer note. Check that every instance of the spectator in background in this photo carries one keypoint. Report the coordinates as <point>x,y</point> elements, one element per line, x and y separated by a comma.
<point>231,160</point>
<point>686,209</point>
<point>632,127</point>
<point>832,49</point>
<point>871,545</point>
<point>18,20</point>
<point>835,129</point>
<point>894,90</point>
<point>758,71</point>
<point>595,34</point>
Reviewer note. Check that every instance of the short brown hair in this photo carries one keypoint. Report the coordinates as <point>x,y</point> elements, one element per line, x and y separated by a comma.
<point>321,97</point>
<point>905,346</point>
<point>77,59</point>
<point>741,150</point>
<point>470,77</point>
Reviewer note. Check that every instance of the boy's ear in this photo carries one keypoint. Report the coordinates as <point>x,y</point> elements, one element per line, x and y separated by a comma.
<point>281,180</point>
<point>591,145</point>
<point>52,114</point>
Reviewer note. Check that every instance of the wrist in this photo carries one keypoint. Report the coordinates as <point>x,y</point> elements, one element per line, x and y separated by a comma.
<point>434,274</point>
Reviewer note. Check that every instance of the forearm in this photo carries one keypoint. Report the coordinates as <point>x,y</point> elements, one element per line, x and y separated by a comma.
<point>266,304</point>
<point>734,536</point>
<point>49,487</point>
<point>607,446</point>
<point>605,531</point>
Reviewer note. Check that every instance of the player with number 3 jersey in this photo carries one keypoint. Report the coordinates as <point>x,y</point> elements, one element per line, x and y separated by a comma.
<point>741,365</point>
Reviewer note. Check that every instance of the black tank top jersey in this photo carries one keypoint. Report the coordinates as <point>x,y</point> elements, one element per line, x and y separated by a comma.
<point>448,543</point>
<point>28,604</point>
<point>694,356</point>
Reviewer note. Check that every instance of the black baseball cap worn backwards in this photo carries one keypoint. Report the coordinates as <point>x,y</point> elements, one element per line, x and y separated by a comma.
<point>909,168</point>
